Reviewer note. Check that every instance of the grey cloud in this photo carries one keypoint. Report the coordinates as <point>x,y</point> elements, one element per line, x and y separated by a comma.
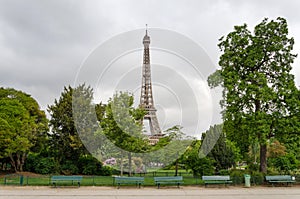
<point>43,43</point>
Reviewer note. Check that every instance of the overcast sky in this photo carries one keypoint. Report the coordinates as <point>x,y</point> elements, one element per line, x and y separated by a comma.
<point>43,43</point>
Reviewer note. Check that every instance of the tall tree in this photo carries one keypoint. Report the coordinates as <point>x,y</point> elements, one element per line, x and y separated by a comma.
<point>22,126</point>
<point>121,125</point>
<point>259,92</point>
<point>223,153</point>
<point>65,142</point>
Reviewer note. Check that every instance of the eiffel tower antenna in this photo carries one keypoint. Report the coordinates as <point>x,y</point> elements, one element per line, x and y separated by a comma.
<point>146,99</point>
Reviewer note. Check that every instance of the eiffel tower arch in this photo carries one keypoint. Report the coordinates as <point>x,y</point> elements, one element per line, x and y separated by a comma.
<point>146,98</point>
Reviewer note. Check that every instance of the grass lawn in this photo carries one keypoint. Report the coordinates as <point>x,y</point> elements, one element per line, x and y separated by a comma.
<point>94,180</point>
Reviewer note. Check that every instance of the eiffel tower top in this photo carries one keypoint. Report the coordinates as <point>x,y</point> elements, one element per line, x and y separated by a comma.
<point>146,40</point>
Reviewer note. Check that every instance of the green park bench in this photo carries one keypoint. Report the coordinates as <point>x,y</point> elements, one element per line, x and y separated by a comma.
<point>168,180</point>
<point>216,180</point>
<point>138,181</point>
<point>280,179</point>
<point>56,179</point>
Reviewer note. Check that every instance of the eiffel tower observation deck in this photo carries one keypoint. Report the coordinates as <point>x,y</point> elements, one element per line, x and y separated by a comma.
<point>146,99</point>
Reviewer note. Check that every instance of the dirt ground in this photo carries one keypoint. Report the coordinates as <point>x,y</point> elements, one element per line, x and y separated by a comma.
<point>25,173</point>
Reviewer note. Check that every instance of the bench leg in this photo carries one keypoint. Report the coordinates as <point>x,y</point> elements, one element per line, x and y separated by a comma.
<point>158,185</point>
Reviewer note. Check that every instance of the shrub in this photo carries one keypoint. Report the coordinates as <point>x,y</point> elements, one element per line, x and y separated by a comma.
<point>253,167</point>
<point>90,169</point>
<point>224,172</point>
<point>31,162</point>
<point>47,166</point>
<point>107,171</point>
<point>237,176</point>
<point>42,165</point>
<point>88,165</point>
<point>257,177</point>
<point>69,168</point>
<point>286,163</point>
<point>200,167</point>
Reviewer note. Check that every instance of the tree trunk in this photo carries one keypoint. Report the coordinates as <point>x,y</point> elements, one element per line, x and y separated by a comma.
<point>129,164</point>
<point>13,163</point>
<point>263,147</point>
<point>121,165</point>
<point>263,158</point>
<point>18,161</point>
<point>176,168</point>
<point>24,155</point>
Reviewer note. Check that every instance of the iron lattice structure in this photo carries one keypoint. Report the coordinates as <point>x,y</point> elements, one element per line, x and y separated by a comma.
<point>146,100</point>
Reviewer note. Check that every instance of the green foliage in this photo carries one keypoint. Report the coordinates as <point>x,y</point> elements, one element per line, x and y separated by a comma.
<point>224,153</point>
<point>42,165</point>
<point>260,99</point>
<point>23,126</point>
<point>74,126</point>
<point>235,150</point>
<point>224,172</point>
<point>253,167</point>
<point>292,144</point>
<point>237,176</point>
<point>121,126</point>
<point>215,79</point>
<point>69,168</point>
<point>192,161</point>
<point>107,171</point>
<point>257,177</point>
<point>88,165</point>
<point>47,166</point>
<point>31,162</point>
<point>62,126</point>
<point>64,141</point>
<point>169,149</point>
<point>85,119</point>
<point>286,163</point>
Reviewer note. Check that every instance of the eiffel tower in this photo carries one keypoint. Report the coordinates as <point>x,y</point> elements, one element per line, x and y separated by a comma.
<point>146,100</point>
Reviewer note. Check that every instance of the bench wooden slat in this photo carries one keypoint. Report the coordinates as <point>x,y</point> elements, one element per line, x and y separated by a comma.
<point>129,180</point>
<point>222,178</point>
<point>78,178</point>
<point>216,180</point>
<point>168,180</point>
<point>55,179</point>
<point>280,179</point>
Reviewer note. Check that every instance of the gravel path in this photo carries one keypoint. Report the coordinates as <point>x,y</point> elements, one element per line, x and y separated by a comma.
<point>7,192</point>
